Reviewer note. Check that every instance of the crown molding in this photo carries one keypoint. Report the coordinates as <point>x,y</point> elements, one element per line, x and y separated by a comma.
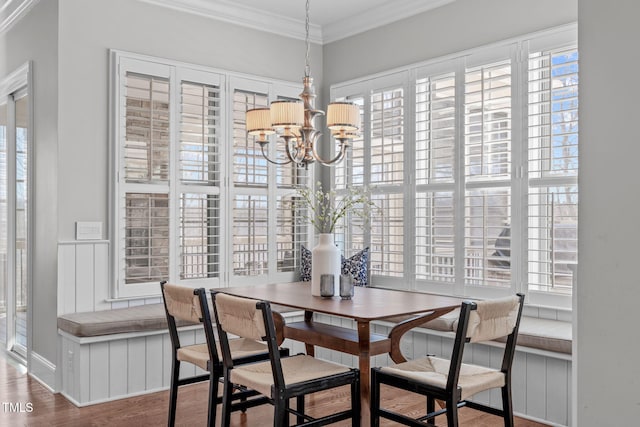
<point>10,15</point>
<point>227,11</point>
<point>377,17</point>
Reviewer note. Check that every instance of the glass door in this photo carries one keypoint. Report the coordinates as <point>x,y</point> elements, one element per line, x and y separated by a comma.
<point>14,221</point>
<point>3,222</point>
<point>20,237</point>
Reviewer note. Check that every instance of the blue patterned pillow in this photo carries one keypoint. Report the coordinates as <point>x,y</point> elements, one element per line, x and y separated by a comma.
<point>356,265</point>
<point>305,264</point>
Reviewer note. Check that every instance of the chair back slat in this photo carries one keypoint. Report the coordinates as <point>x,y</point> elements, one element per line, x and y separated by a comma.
<point>240,316</point>
<point>493,319</point>
<point>182,303</point>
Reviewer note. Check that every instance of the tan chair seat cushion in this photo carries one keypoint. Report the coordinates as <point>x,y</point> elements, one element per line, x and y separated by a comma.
<point>198,354</point>
<point>295,369</point>
<point>141,318</point>
<point>434,371</point>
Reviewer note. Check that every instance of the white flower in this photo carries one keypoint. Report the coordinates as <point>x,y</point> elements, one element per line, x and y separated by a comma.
<point>325,209</point>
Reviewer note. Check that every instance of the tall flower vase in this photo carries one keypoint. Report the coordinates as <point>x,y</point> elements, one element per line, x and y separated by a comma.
<point>325,259</point>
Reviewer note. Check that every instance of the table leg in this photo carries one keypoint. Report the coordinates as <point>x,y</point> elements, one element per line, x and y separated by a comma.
<point>364,364</point>
<point>309,348</point>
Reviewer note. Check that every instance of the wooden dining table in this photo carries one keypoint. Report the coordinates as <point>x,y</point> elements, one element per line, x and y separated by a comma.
<point>366,305</point>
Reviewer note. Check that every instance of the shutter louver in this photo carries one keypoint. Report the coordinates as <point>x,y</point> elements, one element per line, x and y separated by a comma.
<point>199,129</point>
<point>435,128</point>
<point>387,235</point>
<point>249,166</point>
<point>146,237</point>
<point>146,147</point>
<point>487,249</point>
<point>435,252</point>
<point>553,113</point>
<point>488,121</point>
<point>250,235</point>
<point>553,238</point>
<point>291,231</point>
<point>387,137</point>
<point>351,170</point>
<point>199,236</point>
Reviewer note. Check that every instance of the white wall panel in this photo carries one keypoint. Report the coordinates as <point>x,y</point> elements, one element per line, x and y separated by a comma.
<point>118,368</point>
<point>136,365</point>
<point>85,285</point>
<point>99,368</point>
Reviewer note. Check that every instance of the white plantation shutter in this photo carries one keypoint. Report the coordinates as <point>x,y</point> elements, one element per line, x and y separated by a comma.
<point>387,136</point>
<point>145,170</point>
<point>435,128</point>
<point>487,205</point>
<point>188,207</point>
<point>146,117</point>
<point>487,237</point>
<point>553,167</point>
<point>291,232</point>
<point>200,242</point>
<point>483,200</point>
<point>264,194</point>
<point>387,235</point>
<point>200,170</point>
<point>488,121</point>
<point>351,170</point>
<point>146,237</point>
<point>250,235</point>
<point>249,166</point>
<point>435,250</point>
<point>199,129</point>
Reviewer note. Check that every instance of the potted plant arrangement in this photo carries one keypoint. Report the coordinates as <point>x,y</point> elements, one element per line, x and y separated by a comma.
<point>324,210</point>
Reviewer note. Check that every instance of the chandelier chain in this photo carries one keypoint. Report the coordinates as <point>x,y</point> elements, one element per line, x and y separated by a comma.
<point>307,67</point>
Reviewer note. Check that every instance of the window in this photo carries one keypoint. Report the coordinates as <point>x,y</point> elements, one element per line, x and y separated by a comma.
<point>178,208</point>
<point>472,162</point>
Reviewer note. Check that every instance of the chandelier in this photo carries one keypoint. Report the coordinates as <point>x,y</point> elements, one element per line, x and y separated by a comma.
<point>293,122</point>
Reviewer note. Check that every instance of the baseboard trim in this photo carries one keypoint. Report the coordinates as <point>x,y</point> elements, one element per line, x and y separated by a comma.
<point>43,371</point>
<point>110,399</point>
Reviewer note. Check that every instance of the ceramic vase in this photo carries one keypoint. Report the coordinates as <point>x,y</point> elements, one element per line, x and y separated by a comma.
<point>325,259</point>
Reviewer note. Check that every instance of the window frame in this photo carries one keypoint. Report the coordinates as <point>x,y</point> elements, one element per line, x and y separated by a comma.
<point>518,182</point>
<point>176,72</point>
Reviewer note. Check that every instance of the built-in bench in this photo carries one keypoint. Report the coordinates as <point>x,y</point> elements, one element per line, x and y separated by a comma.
<point>112,354</point>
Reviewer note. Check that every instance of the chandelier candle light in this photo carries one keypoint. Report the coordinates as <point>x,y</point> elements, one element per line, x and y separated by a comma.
<point>293,121</point>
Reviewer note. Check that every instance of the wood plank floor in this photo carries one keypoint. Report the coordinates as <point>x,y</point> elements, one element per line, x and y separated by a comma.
<point>49,409</point>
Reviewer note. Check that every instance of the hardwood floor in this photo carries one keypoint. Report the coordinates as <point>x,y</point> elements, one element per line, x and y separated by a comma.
<point>25,402</point>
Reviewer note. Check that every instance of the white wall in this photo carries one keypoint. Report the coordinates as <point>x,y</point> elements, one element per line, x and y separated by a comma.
<point>608,342</point>
<point>35,38</point>
<point>89,28</point>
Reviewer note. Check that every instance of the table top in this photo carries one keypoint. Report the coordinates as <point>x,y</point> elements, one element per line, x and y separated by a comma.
<point>367,303</point>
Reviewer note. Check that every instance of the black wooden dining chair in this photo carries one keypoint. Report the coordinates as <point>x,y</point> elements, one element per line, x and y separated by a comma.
<point>451,380</point>
<point>281,378</point>
<point>185,305</point>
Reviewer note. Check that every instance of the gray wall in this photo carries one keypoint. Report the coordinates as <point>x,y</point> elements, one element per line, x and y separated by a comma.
<point>35,38</point>
<point>460,25</point>
<point>89,28</point>
<point>608,345</point>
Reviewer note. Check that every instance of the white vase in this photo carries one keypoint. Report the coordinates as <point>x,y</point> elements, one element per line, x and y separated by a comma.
<point>325,259</point>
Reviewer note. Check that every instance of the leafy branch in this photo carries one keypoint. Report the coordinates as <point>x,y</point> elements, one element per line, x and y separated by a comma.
<point>324,209</point>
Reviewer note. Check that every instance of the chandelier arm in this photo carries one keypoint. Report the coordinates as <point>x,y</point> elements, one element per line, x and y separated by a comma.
<point>297,158</point>
<point>286,162</point>
<point>343,151</point>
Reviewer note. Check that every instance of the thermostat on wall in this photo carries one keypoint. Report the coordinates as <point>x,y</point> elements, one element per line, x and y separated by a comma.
<point>88,230</point>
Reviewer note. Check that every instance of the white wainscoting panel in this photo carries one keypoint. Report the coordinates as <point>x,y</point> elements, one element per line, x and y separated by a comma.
<point>83,276</point>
